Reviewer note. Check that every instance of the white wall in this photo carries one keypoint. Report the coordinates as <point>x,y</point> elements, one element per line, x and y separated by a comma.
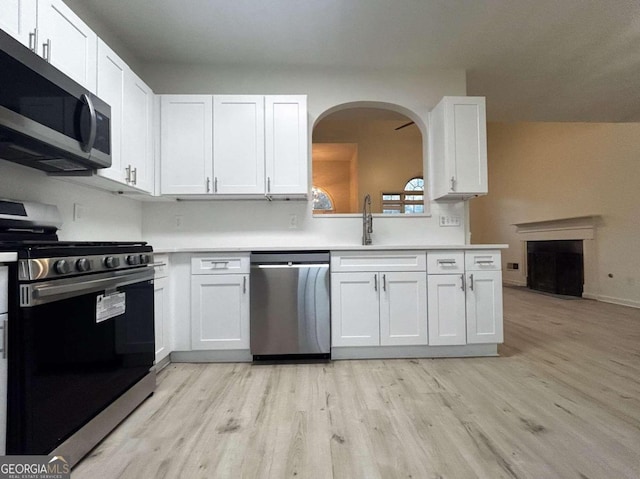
<point>264,223</point>
<point>107,217</point>
<point>549,171</point>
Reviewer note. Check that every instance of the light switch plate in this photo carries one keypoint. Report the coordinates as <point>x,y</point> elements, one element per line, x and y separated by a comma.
<point>79,212</point>
<point>449,220</point>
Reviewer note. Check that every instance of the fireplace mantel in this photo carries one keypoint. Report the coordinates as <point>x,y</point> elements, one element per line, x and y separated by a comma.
<point>575,228</point>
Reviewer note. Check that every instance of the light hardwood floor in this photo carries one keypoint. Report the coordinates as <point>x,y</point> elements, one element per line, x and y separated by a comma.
<point>561,401</point>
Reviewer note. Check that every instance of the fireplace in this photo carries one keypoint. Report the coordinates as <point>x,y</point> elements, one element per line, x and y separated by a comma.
<point>556,266</point>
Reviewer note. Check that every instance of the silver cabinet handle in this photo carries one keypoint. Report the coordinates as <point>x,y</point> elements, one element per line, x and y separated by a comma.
<point>453,183</point>
<point>215,184</point>
<point>244,285</point>
<point>484,261</point>
<point>46,50</point>
<point>134,176</point>
<point>384,282</point>
<point>208,185</point>
<point>5,338</point>
<point>33,40</point>
<point>462,282</point>
<point>446,261</point>
<point>268,184</point>
<point>471,282</point>
<point>127,172</point>
<point>375,282</point>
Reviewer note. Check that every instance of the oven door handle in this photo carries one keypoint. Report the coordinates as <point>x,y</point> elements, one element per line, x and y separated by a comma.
<point>50,291</point>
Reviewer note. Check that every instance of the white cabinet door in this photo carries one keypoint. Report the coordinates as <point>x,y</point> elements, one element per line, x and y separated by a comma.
<point>355,314</point>
<point>484,307</point>
<point>446,304</point>
<point>162,318</point>
<point>403,308</point>
<point>138,132</point>
<point>238,144</point>
<point>18,19</point>
<point>458,148</point>
<point>286,148</point>
<point>67,42</point>
<point>220,311</point>
<point>110,88</point>
<point>186,144</point>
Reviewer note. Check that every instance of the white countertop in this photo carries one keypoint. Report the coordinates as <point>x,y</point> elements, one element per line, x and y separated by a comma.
<point>10,257</point>
<point>380,247</point>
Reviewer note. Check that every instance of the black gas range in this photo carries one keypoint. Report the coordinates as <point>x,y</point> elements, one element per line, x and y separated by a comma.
<point>80,333</point>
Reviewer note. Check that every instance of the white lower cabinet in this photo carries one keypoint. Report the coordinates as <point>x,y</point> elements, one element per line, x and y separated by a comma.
<point>464,297</point>
<point>220,311</point>
<point>162,317</point>
<point>447,317</point>
<point>378,309</point>
<point>484,307</point>
<point>403,309</point>
<point>355,309</point>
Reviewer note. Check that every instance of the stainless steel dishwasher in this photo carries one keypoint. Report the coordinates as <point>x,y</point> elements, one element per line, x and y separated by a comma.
<point>290,305</point>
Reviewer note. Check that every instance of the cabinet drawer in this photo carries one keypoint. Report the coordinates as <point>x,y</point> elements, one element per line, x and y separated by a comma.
<point>445,262</point>
<point>342,262</point>
<point>161,265</point>
<point>220,264</point>
<point>487,260</point>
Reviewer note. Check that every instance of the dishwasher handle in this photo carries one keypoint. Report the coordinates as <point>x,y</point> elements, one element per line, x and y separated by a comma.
<point>290,265</point>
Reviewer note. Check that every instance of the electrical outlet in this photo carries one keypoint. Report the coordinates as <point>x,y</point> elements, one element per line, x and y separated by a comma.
<point>293,221</point>
<point>178,221</point>
<point>449,220</point>
<point>79,212</point>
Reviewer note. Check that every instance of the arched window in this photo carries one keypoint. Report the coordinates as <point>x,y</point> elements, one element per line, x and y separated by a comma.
<point>321,200</point>
<point>409,201</point>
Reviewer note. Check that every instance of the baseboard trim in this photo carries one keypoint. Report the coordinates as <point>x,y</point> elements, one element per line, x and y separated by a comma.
<point>511,282</point>
<point>227,356</point>
<point>404,352</point>
<point>610,299</point>
<point>163,363</point>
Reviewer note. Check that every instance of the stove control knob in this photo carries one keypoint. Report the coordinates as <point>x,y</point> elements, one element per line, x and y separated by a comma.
<point>144,259</point>
<point>133,260</point>
<point>111,262</point>
<point>83,265</point>
<point>62,267</point>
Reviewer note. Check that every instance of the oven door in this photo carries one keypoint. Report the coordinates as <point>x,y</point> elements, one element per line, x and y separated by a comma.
<point>74,347</point>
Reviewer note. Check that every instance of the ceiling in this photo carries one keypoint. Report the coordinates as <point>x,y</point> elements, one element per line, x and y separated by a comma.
<point>542,60</point>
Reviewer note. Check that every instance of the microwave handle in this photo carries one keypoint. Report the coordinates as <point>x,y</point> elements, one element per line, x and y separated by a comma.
<point>88,146</point>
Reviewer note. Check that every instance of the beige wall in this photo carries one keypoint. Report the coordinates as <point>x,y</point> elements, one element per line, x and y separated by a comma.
<point>546,171</point>
<point>387,158</point>
<point>335,178</point>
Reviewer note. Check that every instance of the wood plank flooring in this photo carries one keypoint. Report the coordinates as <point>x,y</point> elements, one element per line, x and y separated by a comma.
<point>561,401</point>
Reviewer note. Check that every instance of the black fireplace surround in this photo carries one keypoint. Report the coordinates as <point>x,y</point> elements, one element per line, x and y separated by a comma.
<point>556,267</point>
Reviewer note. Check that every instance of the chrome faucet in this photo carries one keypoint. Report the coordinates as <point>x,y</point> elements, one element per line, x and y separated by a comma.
<point>367,221</point>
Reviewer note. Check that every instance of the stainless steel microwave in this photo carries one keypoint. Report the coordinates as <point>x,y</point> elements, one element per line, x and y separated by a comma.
<point>47,120</point>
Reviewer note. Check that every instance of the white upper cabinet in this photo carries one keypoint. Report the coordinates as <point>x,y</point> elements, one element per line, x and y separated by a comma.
<point>250,146</point>
<point>110,88</point>
<point>186,144</point>
<point>238,144</point>
<point>286,145</point>
<point>137,151</point>
<point>458,148</point>
<point>67,42</point>
<point>18,19</point>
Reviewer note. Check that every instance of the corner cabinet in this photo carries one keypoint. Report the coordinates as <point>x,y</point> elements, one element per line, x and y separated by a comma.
<point>220,302</point>
<point>234,146</point>
<point>378,299</point>
<point>458,148</point>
